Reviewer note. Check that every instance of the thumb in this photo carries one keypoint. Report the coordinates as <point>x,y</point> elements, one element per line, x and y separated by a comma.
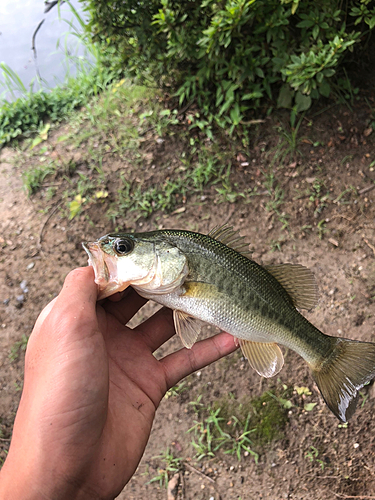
<point>75,305</point>
<point>79,288</point>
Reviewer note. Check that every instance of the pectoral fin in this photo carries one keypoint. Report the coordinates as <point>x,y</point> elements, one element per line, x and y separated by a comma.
<point>187,327</point>
<point>266,359</point>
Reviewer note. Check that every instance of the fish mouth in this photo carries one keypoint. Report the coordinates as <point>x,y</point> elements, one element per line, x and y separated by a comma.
<point>105,269</point>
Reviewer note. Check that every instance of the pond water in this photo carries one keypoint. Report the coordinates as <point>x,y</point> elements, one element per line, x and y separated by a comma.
<point>18,21</point>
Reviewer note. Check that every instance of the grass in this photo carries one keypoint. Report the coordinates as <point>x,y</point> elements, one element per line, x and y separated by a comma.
<point>17,347</point>
<point>238,429</point>
<point>121,124</point>
<point>170,466</point>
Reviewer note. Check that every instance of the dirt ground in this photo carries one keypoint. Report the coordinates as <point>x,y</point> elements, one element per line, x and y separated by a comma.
<point>329,206</point>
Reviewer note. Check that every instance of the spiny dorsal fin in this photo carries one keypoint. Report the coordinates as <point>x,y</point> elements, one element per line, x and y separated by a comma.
<point>226,235</point>
<point>298,281</point>
<point>187,327</point>
<point>266,358</point>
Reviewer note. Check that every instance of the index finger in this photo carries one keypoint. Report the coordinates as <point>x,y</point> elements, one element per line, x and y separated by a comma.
<point>186,361</point>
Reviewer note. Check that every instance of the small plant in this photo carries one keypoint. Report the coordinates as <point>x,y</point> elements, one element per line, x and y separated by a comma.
<point>176,390</point>
<point>241,443</point>
<point>171,465</point>
<point>235,428</point>
<point>33,178</point>
<point>312,454</point>
<point>289,139</point>
<point>19,346</point>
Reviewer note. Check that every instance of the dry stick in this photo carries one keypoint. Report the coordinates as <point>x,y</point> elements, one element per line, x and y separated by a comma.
<point>361,497</point>
<point>45,223</point>
<point>193,469</point>
<point>366,189</point>
<point>33,47</point>
<point>369,245</point>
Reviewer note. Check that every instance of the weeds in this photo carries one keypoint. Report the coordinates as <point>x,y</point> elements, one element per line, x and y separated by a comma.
<point>19,346</point>
<point>289,139</point>
<point>312,454</point>
<point>176,390</point>
<point>171,466</point>
<point>237,428</point>
<point>33,178</point>
<point>276,198</point>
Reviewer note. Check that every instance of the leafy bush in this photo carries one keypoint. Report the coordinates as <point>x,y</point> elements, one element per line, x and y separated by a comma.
<point>230,55</point>
<point>28,113</point>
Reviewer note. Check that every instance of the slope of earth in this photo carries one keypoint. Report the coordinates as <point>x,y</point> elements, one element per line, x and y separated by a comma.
<point>314,206</point>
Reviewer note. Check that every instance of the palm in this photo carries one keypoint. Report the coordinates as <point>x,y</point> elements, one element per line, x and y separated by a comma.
<point>91,390</point>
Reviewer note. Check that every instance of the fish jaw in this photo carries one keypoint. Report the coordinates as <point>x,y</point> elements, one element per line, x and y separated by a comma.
<point>105,269</point>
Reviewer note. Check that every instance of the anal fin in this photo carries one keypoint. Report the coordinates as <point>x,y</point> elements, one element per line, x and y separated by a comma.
<point>187,327</point>
<point>266,358</point>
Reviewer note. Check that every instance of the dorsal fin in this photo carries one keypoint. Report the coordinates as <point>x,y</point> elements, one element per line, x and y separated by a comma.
<point>298,281</point>
<point>226,235</point>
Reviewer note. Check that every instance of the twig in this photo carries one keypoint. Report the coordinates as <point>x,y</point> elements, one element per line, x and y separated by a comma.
<point>369,245</point>
<point>366,189</point>
<point>33,47</point>
<point>45,223</point>
<point>229,216</point>
<point>199,472</point>
<point>360,497</point>
<point>185,108</point>
<point>252,122</point>
<point>182,482</point>
<point>7,440</point>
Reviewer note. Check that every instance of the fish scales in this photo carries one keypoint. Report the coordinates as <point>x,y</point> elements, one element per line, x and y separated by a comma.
<point>254,296</point>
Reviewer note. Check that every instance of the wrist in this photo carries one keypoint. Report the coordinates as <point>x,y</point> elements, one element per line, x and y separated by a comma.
<point>22,483</point>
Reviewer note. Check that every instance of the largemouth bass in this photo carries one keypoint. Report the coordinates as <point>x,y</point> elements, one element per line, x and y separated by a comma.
<point>210,278</point>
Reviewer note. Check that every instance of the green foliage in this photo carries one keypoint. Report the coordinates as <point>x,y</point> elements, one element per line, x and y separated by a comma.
<point>229,56</point>
<point>33,178</point>
<point>28,113</point>
<point>171,465</point>
<point>213,432</point>
<point>236,428</point>
<point>19,346</point>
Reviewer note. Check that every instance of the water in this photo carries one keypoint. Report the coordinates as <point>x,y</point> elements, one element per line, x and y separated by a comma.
<point>18,21</point>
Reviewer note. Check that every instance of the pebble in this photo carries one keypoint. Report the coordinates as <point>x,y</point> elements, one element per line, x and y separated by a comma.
<point>23,286</point>
<point>6,302</point>
<point>30,266</point>
<point>20,300</point>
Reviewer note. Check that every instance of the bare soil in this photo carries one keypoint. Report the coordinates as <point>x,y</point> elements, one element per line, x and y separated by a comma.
<point>329,205</point>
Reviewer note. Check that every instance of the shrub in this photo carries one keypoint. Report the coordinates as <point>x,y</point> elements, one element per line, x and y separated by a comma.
<point>231,55</point>
<point>28,113</point>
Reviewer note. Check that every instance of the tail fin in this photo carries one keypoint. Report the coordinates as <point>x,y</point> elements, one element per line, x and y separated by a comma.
<point>343,373</point>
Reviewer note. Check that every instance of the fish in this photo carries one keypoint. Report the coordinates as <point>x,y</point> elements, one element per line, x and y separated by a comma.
<point>211,278</point>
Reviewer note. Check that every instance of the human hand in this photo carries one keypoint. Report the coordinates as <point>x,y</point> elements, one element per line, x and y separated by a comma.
<point>91,389</point>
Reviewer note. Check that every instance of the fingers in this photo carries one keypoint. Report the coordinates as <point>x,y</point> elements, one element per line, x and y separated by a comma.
<point>125,308</point>
<point>186,361</point>
<point>157,329</point>
<point>79,288</point>
<point>45,312</point>
<point>72,309</point>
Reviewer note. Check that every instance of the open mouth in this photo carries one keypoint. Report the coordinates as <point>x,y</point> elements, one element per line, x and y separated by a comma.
<point>97,262</point>
<point>105,278</point>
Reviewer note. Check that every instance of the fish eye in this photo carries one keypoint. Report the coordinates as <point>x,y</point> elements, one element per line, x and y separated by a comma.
<point>123,246</point>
